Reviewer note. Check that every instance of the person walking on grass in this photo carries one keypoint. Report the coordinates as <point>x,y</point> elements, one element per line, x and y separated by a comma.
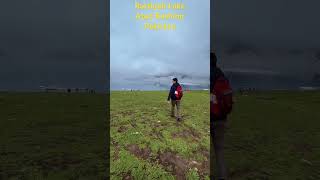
<point>220,106</point>
<point>175,95</point>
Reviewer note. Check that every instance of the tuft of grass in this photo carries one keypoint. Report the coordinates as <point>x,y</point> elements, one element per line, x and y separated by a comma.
<point>192,175</point>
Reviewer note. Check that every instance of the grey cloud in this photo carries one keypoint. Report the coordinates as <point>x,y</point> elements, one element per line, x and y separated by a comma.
<point>53,42</point>
<point>316,77</point>
<point>317,56</point>
<point>239,48</point>
<point>139,55</point>
<point>277,35</point>
<point>251,71</point>
<point>3,52</point>
<point>72,55</point>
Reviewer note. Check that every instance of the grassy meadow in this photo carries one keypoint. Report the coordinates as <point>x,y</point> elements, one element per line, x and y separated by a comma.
<point>146,143</point>
<point>52,136</point>
<point>274,135</point>
<point>271,135</point>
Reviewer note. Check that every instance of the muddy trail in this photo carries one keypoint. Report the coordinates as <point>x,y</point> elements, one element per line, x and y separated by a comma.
<point>170,161</point>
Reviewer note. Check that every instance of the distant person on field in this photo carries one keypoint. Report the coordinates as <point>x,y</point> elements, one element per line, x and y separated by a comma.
<point>220,106</point>
<point>175,96</point>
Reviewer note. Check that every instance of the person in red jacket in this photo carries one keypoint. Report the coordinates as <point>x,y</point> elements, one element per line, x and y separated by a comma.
<point>175,95</point>
<point>217,124</point>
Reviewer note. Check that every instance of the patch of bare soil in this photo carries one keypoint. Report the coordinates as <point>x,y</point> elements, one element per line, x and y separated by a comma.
<point>185,134</point>
<point>143,153</point>
<point>127,176</point>
<point>172,162</point>
<point>179,166</point>
<point>122,129</point>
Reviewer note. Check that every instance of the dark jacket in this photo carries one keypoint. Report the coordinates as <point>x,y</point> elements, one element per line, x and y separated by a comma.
<point>215,73</point>
<point>173,88</point>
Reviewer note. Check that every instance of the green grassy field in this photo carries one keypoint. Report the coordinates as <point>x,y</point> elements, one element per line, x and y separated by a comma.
<point>275,135</point>
<point>271,135</point>
<point>52,136</point>
<point>146,143</point>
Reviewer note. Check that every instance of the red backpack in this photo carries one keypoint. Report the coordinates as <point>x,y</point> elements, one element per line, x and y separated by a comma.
<point>221,103</point>
<point>178,92</point>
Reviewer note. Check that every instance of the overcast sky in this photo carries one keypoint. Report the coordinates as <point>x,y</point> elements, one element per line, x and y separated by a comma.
<point>62,43</point>
<point>52,43</point>
<point>276,39</point>
<point>140,58</point>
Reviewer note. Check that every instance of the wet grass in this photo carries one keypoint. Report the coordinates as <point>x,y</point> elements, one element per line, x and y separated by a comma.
<point>275,135</point>
<point>52,136</point>
<point>272,135</point>
<point>147,143</point>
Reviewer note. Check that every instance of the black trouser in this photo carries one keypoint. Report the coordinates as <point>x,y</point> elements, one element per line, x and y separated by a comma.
<point>217,131</point>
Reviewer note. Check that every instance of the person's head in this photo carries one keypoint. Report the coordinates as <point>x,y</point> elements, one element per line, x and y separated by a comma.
<point>174,80</point>
<point>213,60</point>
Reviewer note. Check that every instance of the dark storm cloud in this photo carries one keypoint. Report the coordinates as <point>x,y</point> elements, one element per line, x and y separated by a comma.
<point>2,52</point>
<point>280,36</point>
<point>317,55</point>
<point>72,55</point>
<point>57,43</point>
<point>239,48</point>
<point>169,74</point>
